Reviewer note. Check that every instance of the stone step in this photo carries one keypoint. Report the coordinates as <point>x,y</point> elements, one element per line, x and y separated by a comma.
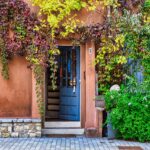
<point>53,94</point>
<point>62,124</point>
<point>53,107</point>
<point>52,114</point>
<point>53,101</point>
<point>63,131</point>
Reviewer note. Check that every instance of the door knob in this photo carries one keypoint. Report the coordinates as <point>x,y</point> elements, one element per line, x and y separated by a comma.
<point>74,89</point>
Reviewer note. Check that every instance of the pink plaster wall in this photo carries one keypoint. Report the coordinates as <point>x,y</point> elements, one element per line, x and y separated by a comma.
<point>16,93</point>
<point>91,113</point>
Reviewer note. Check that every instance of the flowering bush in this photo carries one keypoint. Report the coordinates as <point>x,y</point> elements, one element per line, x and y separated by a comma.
<point>130,112</point>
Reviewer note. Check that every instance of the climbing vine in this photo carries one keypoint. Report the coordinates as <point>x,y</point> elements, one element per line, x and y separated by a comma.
<point>22,33</point>
<point>4,61</point>
<point>123,35</point>
<point>61,20</point>
<point>38,71</point>
<point>117,38</point>
<point>18,37</point>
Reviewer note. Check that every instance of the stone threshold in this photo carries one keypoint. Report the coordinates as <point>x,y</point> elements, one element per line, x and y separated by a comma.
<point>19,120</point>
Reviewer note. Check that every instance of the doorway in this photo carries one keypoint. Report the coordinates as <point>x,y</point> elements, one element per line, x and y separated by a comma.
<point>63,103</point>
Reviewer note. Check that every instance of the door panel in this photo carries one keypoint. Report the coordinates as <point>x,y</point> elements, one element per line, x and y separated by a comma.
<point>69,83</point>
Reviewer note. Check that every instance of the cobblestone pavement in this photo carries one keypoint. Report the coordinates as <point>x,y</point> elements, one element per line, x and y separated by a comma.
<point>76,143</point>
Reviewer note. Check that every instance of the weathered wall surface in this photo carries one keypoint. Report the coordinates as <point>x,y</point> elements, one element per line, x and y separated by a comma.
<point>16,93</point>
<point>91,17</point>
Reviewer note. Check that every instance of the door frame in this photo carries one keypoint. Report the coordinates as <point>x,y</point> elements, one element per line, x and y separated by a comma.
<point>76,123</point>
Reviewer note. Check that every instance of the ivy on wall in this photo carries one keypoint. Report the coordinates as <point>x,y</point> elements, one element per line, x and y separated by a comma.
<point>23,34</point>
<point>117,38</point>
<point>19,37</point>
<point>4,61</point>
<point>124,34</point>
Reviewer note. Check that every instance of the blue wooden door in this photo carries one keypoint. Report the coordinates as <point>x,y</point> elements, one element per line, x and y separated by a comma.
<point>69,83</point>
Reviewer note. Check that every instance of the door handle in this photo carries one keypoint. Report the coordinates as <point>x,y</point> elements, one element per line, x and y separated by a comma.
<point>74,89</point>
<point>74,84</point>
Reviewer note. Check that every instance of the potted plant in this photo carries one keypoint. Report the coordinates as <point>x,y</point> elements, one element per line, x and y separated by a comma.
<point>111,98</point>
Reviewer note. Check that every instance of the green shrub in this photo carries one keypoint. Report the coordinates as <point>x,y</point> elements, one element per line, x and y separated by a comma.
<point>130,113</point>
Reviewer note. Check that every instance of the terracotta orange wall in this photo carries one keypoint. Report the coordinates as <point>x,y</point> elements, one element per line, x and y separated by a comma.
<point>91,17</point>
<point>91,113</point>
<point>16,93</point>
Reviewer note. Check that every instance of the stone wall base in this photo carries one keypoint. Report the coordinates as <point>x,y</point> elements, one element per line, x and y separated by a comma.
<point>20,128</point>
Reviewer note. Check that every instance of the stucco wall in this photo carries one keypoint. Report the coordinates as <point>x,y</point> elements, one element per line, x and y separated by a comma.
<point>16,93</point>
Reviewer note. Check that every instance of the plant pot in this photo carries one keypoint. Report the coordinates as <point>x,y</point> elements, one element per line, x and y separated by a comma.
<point>111,133</point>
<point>99,101</point>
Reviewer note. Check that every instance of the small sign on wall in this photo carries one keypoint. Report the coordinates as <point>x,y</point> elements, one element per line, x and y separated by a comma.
<point>90,50</point>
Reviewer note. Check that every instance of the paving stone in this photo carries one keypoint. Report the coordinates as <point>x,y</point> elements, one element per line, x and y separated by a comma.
<point>78,143</point>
